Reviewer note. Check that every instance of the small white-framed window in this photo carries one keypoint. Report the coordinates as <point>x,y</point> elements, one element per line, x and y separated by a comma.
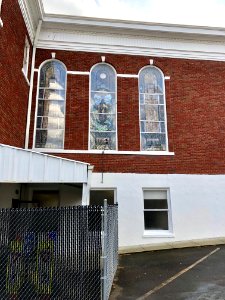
<point>50,108</point>
<point>26,57</point>
<point>103,108</point>
<point>157,211</point>
<point>152,110</point>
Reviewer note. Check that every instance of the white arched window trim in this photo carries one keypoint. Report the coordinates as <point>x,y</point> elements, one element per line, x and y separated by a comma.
<point>90,91</point>
<point>37,94</point>
<point>165,110</point>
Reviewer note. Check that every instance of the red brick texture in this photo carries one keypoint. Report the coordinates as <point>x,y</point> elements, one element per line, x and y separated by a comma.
<point>195,97</point>
<point>13,86</point>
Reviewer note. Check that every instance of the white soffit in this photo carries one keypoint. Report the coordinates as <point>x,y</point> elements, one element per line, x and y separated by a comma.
<point>115,36</point>
<point>25,166</point>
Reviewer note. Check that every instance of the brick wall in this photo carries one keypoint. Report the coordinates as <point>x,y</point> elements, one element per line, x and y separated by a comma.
<point>13,86</point>
<point>195,97</point>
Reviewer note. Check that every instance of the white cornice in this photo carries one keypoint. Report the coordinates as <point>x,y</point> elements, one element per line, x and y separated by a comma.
<point>151,44</point>
<point>55,20</point>
<point>32,12</point>
<point>76,33</point>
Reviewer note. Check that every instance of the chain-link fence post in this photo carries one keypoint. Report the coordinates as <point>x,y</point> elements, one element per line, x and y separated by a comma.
<point>104,251</point>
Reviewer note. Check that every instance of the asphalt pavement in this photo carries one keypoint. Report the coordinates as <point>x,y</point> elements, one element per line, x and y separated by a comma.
<point>176,274</point>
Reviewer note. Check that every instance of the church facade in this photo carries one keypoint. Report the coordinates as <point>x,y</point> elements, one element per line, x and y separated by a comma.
<point>137,108</point>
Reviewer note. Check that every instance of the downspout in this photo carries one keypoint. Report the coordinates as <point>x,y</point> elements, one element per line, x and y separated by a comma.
<point>31,84</point>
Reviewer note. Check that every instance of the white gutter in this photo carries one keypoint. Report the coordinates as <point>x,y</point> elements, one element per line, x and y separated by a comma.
<point>31,84</point>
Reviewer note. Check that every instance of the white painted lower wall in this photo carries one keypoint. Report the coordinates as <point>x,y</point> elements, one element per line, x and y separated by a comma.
<point>197,205</point>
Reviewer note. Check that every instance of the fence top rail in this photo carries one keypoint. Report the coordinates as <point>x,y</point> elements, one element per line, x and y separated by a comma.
<point>61,208</point>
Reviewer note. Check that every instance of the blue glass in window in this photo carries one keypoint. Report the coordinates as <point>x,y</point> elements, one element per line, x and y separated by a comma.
<point>153,141</point>
<point>103,102</point>
<point>151,81</point>
<point>103,78</point>
<point>53,75</point>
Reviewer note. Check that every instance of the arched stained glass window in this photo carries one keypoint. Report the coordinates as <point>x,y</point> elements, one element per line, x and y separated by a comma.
<point>153,128</point>
<point>50,118</point>
<point>103,127</point>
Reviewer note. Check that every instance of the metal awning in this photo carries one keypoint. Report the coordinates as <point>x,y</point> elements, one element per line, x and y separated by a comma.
<point>26,166</point>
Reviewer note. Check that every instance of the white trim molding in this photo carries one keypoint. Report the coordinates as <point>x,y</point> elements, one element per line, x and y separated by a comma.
<point>128,75</point>
<point>115,152</point>
<point>1,23</point>
<point>77,73</point>
<point>31,85</point>
<point>25,76</point>
<point>149,39</point>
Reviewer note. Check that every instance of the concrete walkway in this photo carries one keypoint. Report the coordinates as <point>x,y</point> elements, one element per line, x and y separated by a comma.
<point>177,274</point>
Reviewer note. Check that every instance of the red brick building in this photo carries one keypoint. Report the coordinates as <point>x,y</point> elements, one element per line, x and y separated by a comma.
<point>143,103</point>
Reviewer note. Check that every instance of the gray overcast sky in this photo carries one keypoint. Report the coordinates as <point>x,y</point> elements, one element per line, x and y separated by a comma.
<point>192,12</point>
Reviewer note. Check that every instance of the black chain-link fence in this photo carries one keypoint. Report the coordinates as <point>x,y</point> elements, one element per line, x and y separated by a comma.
<point>54,253</point>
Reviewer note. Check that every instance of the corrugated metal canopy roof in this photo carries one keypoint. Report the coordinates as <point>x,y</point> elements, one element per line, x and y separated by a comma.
<point>26,166</point>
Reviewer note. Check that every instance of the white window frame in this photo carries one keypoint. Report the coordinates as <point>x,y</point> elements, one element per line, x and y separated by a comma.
<point>89,123</point>
<point>160,232</point>
<point>165,110</point>
<point>36,106</point>
<point>1,23</point>
<point>26,57</point>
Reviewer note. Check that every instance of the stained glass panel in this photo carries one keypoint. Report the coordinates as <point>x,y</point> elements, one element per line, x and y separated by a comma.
<point>103,78</point>
<point>53,75</point>
<point>39,122</point>
<point>49,139</point>
<point>152,109</point>
<point>153,141</point>
<point>103,140</point>
<point>102,122</point>
<point>103,108</point>
<point>51,94</point>
<point>103,102</point>
<point>151,81</point>
<point>152,112</point>
<point>150,126</point>
<point>51,106</point>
